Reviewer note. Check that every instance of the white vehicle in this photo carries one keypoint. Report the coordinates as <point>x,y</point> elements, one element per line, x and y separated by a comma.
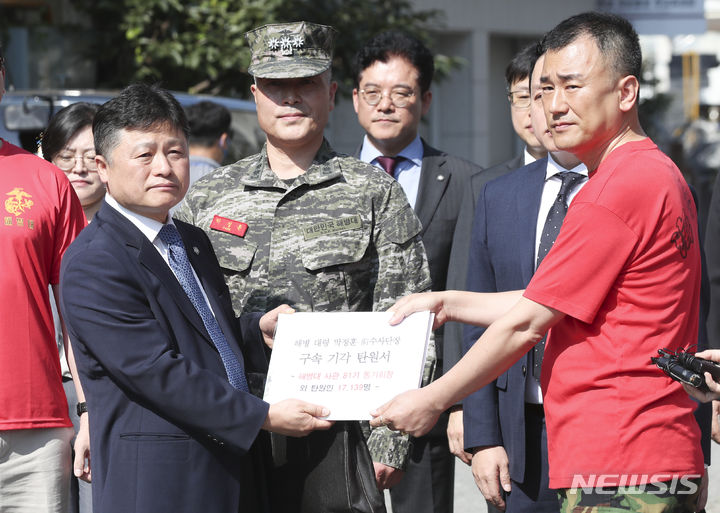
<point>24,114</point>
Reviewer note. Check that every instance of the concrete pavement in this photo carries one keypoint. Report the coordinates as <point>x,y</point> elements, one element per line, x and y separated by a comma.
<point>469,500</point>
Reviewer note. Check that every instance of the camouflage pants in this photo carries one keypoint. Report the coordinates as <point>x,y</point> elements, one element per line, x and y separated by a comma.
<point>652,498</point>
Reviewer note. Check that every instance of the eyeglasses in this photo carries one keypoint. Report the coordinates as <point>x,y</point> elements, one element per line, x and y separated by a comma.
<point>67,161</point>
<point>399,97</point>
<point>519,99</point>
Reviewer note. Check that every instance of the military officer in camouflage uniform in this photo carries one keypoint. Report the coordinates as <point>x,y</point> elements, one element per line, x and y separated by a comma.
<point>301,224</point>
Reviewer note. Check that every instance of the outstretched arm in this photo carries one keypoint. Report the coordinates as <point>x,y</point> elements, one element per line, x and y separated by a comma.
<point>503,343</point>
<point>480,309</point>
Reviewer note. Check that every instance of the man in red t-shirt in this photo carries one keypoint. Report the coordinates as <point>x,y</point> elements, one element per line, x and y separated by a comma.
<point>41,215</point>
<point>621,282</point>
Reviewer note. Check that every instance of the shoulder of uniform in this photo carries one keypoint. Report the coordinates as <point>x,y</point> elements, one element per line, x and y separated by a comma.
<point>353,165</point>
<point>225,176</point>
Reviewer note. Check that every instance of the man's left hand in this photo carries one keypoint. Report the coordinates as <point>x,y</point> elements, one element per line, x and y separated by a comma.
<point>386,476</point>
<point>455,435</point>
<point>81,464</point>
<point>715,433</point>
<point>268,323</point>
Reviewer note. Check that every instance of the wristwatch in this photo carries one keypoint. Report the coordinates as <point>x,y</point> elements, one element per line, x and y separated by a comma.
<point>81,408</point>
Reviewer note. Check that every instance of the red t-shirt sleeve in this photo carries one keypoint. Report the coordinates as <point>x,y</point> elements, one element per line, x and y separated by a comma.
<point>70,221</point>
<point>585,262</point>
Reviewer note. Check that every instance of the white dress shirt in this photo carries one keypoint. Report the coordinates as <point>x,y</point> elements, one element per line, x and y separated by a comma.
<point>533,394</point>
<point>151,228</point>
<point>527,158</point>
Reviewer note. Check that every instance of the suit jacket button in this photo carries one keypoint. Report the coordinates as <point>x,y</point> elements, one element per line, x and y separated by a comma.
<point>524,370</point>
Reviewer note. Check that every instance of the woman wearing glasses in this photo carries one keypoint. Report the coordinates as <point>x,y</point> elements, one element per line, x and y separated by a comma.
<point>68,143</point>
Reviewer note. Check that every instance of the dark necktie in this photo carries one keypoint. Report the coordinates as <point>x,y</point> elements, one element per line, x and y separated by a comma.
<point>180,264</point>
<point>389,163</point>
<point>553,222</point>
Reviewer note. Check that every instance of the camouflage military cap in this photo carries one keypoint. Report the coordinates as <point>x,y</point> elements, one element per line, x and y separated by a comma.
<point>290,50</point>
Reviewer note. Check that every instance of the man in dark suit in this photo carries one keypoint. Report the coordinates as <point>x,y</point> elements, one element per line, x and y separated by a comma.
<point>393,73</point>
<point>504,421</point>
<point>518,95</point>
<point>159,350</point>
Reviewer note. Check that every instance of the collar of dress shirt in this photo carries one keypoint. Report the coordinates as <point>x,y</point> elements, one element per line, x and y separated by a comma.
<point>149,227</point>
<point>527,158</point>
<point>200,159</point>
<point>412,152</point>
<point>554,168</point>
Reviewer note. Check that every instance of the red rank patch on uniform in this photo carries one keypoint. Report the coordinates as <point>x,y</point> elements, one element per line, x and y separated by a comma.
<point>226,225</point>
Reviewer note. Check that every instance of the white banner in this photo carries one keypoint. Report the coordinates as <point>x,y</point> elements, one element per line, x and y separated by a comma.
<point>349,362</point>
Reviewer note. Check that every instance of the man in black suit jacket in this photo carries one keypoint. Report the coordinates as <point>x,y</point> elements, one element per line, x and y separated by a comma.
<point>518,94</point>
<point>168,430</point>
<point>504,421</point>
<point>393,72</point>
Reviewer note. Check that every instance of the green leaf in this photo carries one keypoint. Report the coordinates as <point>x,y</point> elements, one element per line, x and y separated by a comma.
<point>190,42</point>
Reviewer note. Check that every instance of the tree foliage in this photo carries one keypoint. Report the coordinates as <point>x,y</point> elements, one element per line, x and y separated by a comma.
<point>199,46</point>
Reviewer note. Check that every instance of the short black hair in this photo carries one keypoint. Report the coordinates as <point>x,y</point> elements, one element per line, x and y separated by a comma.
<point>137,107</point>
<point>518,67</point>
<point>208,121</point>
<point>64,125</point>
<point>533,61</point>
<point>614,35</point>
<point>395,43</point>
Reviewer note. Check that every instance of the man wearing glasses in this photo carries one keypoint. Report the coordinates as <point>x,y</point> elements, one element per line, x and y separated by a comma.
<point>518,96</point>
<point>506,422</point>
<point>518,87</point>
<point>393,72</point>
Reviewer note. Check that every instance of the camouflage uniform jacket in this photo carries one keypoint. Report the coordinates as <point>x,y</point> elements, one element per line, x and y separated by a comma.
<point>341,237</point>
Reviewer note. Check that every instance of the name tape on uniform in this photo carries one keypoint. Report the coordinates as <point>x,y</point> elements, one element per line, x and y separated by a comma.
<point>332,226</point>
<point>226,225</point>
